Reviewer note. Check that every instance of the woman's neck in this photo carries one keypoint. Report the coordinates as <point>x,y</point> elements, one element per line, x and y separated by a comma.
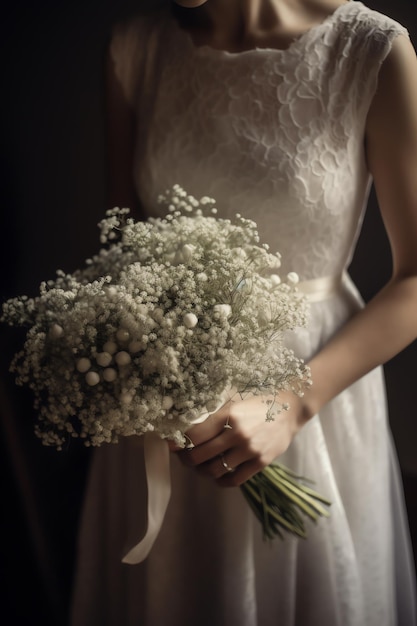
<point>239,24</point>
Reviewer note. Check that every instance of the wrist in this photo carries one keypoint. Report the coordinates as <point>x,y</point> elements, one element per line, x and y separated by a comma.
<point>308,407</point>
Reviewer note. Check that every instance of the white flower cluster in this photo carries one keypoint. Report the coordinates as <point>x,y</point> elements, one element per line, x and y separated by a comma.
<point>151,333</point>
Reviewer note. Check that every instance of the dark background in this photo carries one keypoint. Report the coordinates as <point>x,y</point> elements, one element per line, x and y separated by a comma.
<point>53,189</point>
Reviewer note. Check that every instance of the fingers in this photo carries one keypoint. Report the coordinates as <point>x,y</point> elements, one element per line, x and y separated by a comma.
<point>241,474</point>
<point>211,427</point>
<point>229,470</point>
<point>231,467</point>
<point>202,453</point>
<point>237,437</point>
<point>226,464</point>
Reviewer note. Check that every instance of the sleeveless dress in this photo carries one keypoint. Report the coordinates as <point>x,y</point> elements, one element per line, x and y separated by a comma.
<point>276,135</point>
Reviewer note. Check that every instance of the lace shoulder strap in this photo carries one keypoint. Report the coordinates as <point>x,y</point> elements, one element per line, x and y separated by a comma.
<point>368,36</point>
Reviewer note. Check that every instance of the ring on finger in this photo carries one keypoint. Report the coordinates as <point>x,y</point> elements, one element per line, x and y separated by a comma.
<point>189,445</point>
<point>225,464</point>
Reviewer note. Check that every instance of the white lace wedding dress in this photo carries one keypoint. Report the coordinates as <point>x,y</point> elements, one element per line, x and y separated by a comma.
<point>276,135</point>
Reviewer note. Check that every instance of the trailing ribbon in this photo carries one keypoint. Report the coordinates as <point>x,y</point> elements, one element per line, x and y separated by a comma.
<point>158,480</point>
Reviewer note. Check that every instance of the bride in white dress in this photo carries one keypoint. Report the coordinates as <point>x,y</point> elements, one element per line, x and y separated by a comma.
<point>283,111</point>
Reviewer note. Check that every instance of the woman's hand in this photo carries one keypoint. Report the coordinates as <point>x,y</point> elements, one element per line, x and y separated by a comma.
<point>239,437</point>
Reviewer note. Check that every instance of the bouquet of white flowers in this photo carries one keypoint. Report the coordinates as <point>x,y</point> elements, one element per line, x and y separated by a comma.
<point>169,318</point>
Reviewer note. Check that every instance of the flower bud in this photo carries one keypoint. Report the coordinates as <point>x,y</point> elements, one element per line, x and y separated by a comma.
<point>275,280</point>
<point>123,334</point>
<point>109,374</point>
<point>83,365</point>
<point>92,378</point>
<point>190,320</point>
<point>167,403</point>
<point>293,278</point>
<point>104,359</point>
<point>110,347</point>
<point>135,347</point>
<point>223,309</point>
<point>126,398</point>
<point>56,331</point>
<point>122,358</point>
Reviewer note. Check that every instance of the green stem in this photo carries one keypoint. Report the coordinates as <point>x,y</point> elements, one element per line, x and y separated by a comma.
<point>277,499</point>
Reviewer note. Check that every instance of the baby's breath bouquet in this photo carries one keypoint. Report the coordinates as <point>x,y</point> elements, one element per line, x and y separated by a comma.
<point>169,317</point>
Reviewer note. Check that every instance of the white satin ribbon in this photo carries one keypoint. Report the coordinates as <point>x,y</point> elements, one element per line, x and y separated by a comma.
<point>158,481</point>
<point>318,289</point>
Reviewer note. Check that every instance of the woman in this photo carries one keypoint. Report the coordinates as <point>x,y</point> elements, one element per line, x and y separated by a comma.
<point>281,110</point>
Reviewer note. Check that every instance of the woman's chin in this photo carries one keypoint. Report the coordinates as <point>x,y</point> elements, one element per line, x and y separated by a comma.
<point>190,4</point>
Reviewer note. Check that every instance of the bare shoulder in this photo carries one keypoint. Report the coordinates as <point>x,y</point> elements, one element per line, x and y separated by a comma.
<point>391,144</point>
<point>396,94</point>
<point>401,56</point>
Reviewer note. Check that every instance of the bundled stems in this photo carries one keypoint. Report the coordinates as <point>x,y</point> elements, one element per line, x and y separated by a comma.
<point>278,499</point>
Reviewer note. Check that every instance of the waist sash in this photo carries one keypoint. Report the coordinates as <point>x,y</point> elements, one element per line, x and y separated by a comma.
<point>318,289</point>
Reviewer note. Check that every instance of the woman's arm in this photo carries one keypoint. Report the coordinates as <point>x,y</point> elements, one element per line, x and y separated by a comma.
<point>378,332</point>
<point>389,322</point>
<point>121,126</point>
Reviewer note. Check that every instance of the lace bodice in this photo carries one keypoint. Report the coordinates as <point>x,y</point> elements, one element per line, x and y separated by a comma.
<point>276,135</point>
